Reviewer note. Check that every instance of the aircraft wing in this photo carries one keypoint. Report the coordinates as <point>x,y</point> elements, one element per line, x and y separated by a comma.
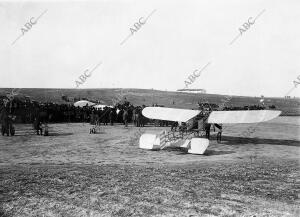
<point>220,117</point>
<point>169,114</point>
<point>244,116</point>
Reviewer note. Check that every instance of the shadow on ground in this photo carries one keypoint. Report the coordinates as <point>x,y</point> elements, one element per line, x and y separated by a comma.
<point>231,140</point>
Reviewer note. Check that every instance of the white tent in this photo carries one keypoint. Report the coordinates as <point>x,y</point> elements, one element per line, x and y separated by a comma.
<point>102,106</point>
<point>83,103</point>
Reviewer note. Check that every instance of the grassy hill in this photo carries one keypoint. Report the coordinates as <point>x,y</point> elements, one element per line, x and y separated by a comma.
<point>148,97</point>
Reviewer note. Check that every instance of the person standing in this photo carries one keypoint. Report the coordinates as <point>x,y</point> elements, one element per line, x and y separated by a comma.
<point>111,117</point>
<point>125,117</point>
<point>4,121</point>
<point>219,134</point>
<point>207,130</point>
<point>38,126</point>
<point>134,116</point>
<point>139,118</point>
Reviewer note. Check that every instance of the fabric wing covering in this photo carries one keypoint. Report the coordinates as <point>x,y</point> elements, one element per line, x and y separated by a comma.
<point>239,117</point>
<point>169,114</point>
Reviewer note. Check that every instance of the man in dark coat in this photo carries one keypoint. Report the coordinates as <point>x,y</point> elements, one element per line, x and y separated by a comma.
<point>111,117</point>
<point>105,115</point>
<point>37,124</point>
<point>138,118</point>
<point>4,121</point>
<point>219,134</point>
<point>207,129</point>
<point>125,117</point>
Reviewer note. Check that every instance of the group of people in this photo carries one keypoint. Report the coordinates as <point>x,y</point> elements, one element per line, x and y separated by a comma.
<point>29,111</point>
<point>118,114</point>
<point>40,114</point>
<point>232,108</point>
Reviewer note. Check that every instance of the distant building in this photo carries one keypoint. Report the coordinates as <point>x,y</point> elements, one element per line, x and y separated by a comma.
<point>192,90</point>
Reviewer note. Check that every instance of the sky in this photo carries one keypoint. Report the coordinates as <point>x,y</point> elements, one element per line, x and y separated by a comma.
<point>100,39</point>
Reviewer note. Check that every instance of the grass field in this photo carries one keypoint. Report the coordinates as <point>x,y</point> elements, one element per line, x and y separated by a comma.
<point>73,173</point>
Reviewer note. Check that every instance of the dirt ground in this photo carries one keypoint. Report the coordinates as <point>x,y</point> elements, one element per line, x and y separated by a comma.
<point>74,173</point>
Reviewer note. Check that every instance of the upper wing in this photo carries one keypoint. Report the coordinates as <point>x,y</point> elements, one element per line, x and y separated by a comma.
<point>238,117</point>
<point>169,114</point>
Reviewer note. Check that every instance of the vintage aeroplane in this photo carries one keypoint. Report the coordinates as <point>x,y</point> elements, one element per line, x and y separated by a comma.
<point>192,123</point>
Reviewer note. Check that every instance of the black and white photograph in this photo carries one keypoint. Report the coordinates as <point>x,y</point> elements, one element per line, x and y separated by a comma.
<point>177,108</point>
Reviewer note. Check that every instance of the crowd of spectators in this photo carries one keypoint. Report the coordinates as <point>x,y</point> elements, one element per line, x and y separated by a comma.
<point>28,111</point>
<point>214,106</point>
